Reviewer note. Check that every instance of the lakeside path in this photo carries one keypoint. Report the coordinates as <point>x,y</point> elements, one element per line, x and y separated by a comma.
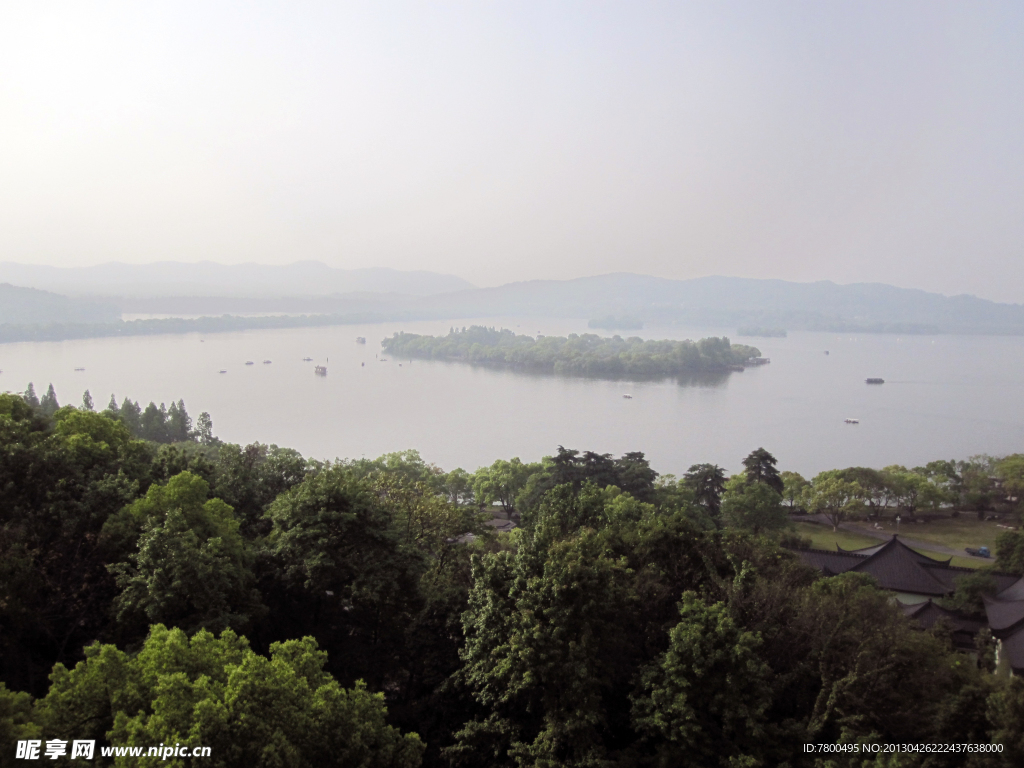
<point>886,535</point>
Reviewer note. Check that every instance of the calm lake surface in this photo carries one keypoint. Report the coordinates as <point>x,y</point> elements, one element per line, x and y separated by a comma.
<point>943,397</point>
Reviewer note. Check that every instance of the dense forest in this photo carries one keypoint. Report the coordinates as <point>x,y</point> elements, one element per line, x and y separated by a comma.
<point>290,612</point>
<point>589,354</point>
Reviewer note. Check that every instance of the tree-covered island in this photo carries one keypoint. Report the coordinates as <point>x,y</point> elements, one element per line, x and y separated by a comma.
<point>587,354</point>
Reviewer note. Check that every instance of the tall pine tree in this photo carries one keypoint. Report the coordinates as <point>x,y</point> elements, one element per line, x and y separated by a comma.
<point>48,404</point>
<point>30,396</point>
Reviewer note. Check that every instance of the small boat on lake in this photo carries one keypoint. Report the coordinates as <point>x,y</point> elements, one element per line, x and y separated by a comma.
<point>224,371</point>
<point>307,359</point>
<point>852,421</point>
<point>249,362</point>
<point>320,370</point>
<point>79,369</point>
<point>360,339</point>
<point>874,381</point>
<point>266,362</point>
<point>627,397</point>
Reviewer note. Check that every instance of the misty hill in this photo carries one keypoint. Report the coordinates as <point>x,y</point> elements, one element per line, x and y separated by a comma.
<point>724,301</point>
<point>29,306</point>
<point>207,278</point>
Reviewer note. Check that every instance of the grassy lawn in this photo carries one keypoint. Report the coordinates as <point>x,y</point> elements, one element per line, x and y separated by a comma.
<point>822,537</point>
<point>955,533</point>
<point>939,532</point>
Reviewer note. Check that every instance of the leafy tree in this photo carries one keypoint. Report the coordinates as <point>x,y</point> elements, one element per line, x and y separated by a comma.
<point>204,429</point>
<point>87,404</point>
<point>1010,552</point>
<point>833,497</point>
<point>759,467</point>
<point>191,568</point>
<point>566,467</point>
<point>793,487</point>
<point>1010,471</point>
<point>1006,713</point>
<point>16,723</point>
<point>153,424</point>
<point>339,573</point>
<point>539,655</point>
<point>30,396</point>
<point>635,476</point>
<point>131,415</point>
<point>755,507</point>
<point>60,479</point>
<point>407,466</point>
<point>875,673</point>
<point>249,478</point>
<point>421,519</point>
<point>874,486</point>
<point>914,490</point>
<point>705,699</point>
<point>969,591</point>
<point>458,486</point>
<point>171,460</point>
<point>48,404</point>
<point>179,423</point>
<point>708,483</point>
<point>502,482</point>
<point>249,709</point>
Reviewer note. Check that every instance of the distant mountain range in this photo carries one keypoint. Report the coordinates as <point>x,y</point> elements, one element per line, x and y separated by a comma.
<point>31,306</point>
<point>207,278</point>
<point>711,302</point>
<point>725,301</point>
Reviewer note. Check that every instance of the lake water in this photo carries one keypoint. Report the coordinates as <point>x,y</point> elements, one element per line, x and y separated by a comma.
<point>943,397</point>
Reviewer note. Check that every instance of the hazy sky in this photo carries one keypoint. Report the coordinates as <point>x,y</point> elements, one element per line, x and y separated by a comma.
<point>851,141</point>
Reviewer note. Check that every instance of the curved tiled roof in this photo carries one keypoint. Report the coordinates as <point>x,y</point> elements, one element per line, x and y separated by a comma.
<point>897,567</point>
<point>1003,615</point>
<point>828,562</point>
<point>963,628</point>
<point>1014,591</point>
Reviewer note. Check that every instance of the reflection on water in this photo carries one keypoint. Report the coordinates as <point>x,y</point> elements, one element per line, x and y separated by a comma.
<point>696,379</point>
<point>944,397</point>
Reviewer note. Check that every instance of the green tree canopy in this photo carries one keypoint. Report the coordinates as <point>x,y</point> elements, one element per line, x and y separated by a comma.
<point>832,496</point>
<point>708,483</point>
<point>755,507</point>
<point>706,697</point>
<point>759,467</point>
<point>260,711</point>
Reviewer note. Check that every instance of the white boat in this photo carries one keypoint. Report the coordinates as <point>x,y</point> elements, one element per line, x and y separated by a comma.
<point>266,362</point>
<point>307,359</point>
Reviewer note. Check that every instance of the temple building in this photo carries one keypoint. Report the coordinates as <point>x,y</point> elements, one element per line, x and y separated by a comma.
<point>918,581</point>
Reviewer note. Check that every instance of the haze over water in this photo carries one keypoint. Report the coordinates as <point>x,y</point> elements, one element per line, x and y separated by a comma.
<point>944,396</point>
